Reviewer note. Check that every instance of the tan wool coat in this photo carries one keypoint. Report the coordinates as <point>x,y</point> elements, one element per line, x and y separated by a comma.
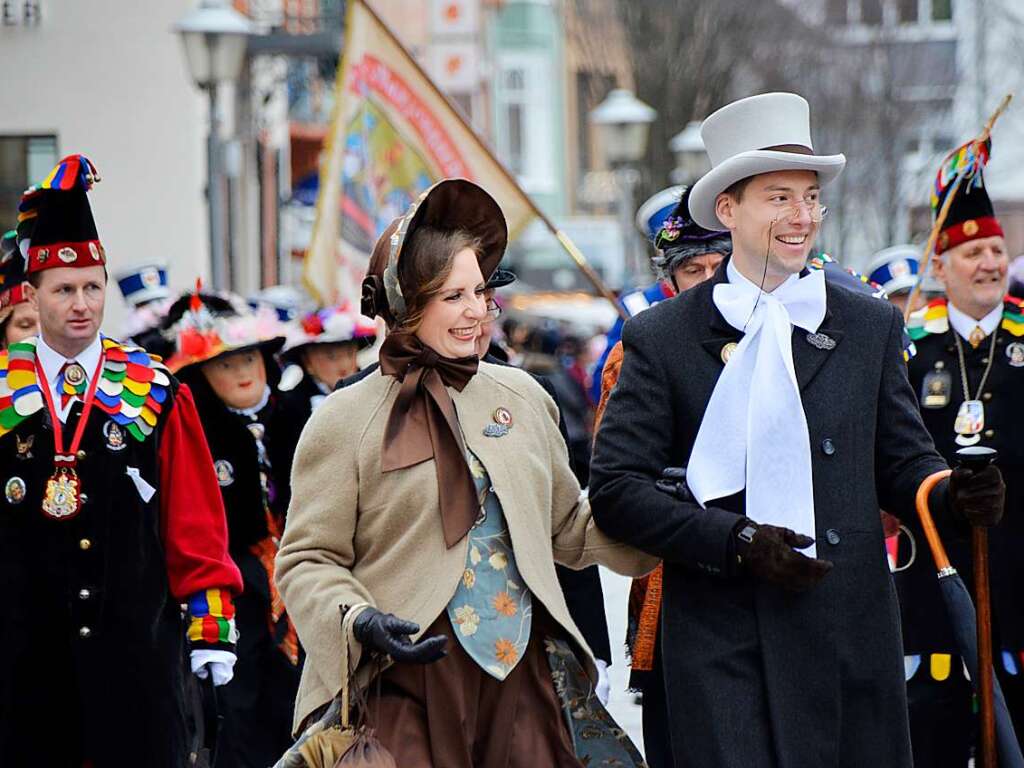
<point>355,534</point>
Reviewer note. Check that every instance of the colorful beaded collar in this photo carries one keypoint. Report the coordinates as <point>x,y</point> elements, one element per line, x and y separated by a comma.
<point>132,390</point>
<point>934,318</point>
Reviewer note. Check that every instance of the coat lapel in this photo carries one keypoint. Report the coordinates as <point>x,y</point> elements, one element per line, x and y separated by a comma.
<point>720,333</point>
<point>812,351</point>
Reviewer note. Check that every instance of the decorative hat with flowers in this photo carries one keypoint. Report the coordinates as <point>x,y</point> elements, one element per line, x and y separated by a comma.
<point>203,334</point>
<point>330,325</point>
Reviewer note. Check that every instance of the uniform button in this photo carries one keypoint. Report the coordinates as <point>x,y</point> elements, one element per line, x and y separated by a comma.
<point>84,594</point>
<point>80,455</point>
<point>85,633</point>
<point>84,544</point>
<point>987,396</point>
<point>828,447</point>
<point>832,536</point>
<point>984,361</point>
<point>83,497</point>
<point>990,433</point>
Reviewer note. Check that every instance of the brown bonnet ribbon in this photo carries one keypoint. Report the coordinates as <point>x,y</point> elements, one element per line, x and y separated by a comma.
<point>423,424</point>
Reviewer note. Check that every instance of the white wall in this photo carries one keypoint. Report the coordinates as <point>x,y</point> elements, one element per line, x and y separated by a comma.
<point>109,78</point>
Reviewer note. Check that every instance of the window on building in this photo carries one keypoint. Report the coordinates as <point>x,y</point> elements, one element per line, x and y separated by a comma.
<point>525,114</point>
<point>836,11</point>
<point>907,11</point>
<point>24,160</point>
<point>871,12</point>
<point>942,10</point>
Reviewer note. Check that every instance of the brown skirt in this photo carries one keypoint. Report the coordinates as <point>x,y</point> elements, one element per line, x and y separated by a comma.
<point>452,714</point>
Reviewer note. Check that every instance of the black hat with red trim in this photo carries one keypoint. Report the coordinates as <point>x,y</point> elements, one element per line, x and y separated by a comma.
<point>55,223</point>
<point>970,215</point>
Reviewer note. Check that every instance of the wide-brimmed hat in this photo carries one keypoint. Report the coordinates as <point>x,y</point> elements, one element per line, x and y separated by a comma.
<point>205,332</point>
<point>330,325</point>
<point>451,204</point>
<point>760,134</point>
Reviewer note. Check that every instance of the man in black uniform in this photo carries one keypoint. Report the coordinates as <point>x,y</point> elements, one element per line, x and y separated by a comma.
<point>968,374</point>
<point>110,520</point>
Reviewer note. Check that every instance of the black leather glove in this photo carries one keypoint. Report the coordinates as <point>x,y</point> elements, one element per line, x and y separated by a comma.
<point>768,552</point>
<point>978,496</point>
<point>673,482</point>
<point>388,634</point>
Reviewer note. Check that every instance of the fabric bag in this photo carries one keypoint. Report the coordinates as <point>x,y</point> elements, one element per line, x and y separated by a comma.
<point>332,741</point>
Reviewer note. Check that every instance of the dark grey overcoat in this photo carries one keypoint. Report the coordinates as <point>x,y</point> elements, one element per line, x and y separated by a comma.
<point>757,676</point>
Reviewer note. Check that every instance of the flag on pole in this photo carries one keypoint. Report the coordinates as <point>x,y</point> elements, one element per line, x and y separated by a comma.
<point>392,135</point>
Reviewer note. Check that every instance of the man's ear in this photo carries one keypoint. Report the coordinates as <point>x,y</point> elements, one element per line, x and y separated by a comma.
<point>939,268</point>
<point>725,210</point>
<point>32,296</point>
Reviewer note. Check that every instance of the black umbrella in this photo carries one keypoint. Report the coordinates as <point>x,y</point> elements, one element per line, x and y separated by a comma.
<point>964,621</point>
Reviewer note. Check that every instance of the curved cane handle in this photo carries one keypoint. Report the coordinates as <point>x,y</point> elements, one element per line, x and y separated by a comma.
<point>930,532</point>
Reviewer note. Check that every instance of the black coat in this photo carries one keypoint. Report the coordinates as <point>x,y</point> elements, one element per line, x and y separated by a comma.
<point>582,589</point>
<point>757,676</point>
<point>90,631</point>
<point>925,627</point>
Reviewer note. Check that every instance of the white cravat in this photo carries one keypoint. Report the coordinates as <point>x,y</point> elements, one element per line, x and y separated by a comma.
<point>963,323</point>
<point>754,432</point>
<point>52,361</point>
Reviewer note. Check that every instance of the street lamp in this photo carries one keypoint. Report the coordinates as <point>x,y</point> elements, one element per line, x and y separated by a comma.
<point>214,36</point>
<point>691,158</point>
<point>623,122</point>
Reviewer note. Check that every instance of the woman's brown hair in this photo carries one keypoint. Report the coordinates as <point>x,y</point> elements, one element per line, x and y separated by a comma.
<point>424,266</point>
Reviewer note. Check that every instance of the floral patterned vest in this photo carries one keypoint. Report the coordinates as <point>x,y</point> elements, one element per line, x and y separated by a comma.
<point>492,609</point>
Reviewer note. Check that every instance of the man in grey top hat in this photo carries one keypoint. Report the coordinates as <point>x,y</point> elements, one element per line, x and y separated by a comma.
<point>787,400</point>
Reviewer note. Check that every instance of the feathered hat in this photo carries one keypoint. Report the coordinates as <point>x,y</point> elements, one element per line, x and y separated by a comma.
<point>970,215</point>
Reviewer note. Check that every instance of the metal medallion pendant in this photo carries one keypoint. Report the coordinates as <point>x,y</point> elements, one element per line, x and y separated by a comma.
<point>63,499</point>
<point>970,421</point>
<point>74,375</point>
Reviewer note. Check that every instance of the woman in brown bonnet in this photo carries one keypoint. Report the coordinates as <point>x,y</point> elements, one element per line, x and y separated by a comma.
<point>433,498</point>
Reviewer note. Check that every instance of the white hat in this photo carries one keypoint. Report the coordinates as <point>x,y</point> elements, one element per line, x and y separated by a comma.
<point>743,139</point>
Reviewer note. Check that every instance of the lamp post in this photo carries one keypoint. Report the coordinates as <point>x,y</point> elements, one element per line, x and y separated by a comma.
<point>691,159</point>
<point>624,122</point>
<point>214,36</point>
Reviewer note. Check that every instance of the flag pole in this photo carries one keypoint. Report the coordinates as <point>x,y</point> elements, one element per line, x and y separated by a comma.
<point>563,239</point>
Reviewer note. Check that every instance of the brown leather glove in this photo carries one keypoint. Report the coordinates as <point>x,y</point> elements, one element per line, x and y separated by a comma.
<point>978,496</point>
<point>768,552</point>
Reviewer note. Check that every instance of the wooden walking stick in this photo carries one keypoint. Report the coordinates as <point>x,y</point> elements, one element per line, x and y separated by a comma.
<point>977,458</point>
<point>972,628</point>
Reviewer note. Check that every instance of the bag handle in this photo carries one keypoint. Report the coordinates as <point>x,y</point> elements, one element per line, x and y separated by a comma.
<point>347,636</point>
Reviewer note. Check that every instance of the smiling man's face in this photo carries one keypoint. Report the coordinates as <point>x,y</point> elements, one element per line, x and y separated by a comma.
<point>775,218</point>
<point>975,275</point>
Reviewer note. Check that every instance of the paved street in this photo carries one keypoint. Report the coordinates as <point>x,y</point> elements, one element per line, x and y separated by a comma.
<point>621,706</point>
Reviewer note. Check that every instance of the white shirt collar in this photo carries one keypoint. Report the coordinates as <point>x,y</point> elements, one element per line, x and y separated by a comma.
<point>963,324</point>
<point>53,360</point>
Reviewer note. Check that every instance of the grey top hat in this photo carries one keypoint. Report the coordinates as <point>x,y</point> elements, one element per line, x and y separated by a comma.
<point>760,134</point>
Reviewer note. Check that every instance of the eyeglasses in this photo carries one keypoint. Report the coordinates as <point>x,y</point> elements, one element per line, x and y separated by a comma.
<point>787,210</point>
<point>493,310</point>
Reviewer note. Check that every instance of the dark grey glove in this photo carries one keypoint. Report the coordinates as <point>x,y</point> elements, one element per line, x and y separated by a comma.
<point>388,634</point>
<point>673,482</point>
<point>768,552</point>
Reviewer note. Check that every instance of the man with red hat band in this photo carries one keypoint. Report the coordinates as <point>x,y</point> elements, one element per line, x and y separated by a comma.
<point>110,519</point>
<point>967,374</point>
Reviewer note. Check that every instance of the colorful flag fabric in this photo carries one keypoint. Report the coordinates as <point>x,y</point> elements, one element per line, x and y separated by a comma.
<point>392,135</point>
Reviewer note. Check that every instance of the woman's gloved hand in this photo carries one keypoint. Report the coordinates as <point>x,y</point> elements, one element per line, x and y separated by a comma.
<point>388,634</point>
